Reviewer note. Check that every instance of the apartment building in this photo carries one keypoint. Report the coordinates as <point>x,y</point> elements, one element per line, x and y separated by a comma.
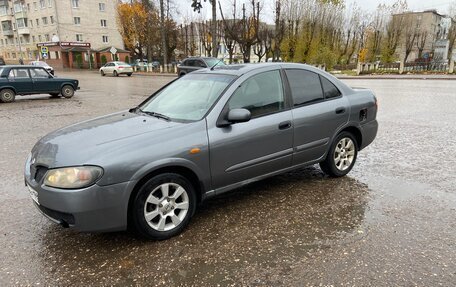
<point>70,29</point>
<point>431,30</point>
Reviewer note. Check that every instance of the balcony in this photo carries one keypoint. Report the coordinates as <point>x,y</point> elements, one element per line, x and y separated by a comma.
<point>8,32</point>
<point>6,17</point>
<point>20,15</point>
<point>23,31</point>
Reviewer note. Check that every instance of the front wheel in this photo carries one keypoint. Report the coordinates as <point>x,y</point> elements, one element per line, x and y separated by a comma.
<point>102,73</point>
<point>115,74</point>
<point>67,91</point>
<point>163,206</point>
<point>7,96</point>
<point>342,155</point>
<point>129,74</point>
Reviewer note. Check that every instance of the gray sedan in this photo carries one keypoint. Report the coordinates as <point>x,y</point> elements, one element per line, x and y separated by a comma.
<point>202,135</point>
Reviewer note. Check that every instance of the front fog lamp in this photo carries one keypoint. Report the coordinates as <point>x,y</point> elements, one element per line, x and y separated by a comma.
<point>73,177</point>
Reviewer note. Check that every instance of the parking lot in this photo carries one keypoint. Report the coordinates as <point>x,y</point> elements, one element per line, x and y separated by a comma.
<point>390,222</point>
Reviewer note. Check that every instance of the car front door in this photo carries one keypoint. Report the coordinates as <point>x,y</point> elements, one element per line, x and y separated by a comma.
<point>43,82</point>
<point>20,79</point>
<point>319,110</point>
<point>242,151</point>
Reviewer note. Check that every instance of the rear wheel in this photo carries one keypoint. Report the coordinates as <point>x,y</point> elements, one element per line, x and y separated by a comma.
<point>342,155</point>
<point>67,91</point>
<point>129,74</point>
<point>115,74</point>
<point>7,96</point>
<point>163,206</point>
<point>55,95</point>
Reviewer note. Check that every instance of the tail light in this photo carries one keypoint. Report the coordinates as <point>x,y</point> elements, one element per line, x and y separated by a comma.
<point>121,67</point>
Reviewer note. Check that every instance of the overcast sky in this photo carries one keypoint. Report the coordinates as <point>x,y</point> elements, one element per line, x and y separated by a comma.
<point>185,10</point>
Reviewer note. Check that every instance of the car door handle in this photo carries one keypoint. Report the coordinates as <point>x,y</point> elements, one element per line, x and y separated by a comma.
<point>340,111</point>
<point>284,125</point>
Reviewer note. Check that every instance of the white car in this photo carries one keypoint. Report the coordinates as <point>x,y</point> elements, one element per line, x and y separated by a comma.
<point>44,65</point>
<point>116,69</point>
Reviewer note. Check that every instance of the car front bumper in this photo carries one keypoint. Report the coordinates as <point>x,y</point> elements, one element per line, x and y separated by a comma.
<point>95,208</point>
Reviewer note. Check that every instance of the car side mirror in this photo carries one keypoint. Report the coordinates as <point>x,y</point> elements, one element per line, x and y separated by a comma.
<point>238,116</point>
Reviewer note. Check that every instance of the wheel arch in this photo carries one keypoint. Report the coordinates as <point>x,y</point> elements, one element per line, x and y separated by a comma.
<point>182,170</point>
<point>69,84</point>
<point>356,132</point>
<point>8,87</point>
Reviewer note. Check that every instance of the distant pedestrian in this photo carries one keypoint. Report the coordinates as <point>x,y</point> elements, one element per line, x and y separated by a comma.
<point>21,61</point>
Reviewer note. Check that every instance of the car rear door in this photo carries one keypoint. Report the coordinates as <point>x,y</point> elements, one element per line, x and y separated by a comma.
<point>43,82</point>
<point>20,79</point>
<point>319,110</point>
<point>243,151</point>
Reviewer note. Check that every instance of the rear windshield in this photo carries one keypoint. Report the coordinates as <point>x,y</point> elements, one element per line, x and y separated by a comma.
<point>1,71</point>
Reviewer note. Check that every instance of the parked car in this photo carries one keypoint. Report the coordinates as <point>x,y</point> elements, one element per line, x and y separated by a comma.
<point>2,62</point>
<point>44,65</point>
<point>116,69</point>
<point>202,135</point>
<point>27,80</point>
<point>196,63</point>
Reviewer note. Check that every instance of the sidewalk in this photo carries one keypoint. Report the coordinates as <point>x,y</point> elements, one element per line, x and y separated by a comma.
<point>398,77</point>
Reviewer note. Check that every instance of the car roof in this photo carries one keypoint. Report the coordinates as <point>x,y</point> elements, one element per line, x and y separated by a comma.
<point>240,69</point>
<point>21,66</point>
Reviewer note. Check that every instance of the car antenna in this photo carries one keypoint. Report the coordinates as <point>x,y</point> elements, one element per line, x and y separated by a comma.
<point>212,68</point>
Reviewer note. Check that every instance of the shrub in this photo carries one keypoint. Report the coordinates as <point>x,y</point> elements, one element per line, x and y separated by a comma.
<point>103,59</point>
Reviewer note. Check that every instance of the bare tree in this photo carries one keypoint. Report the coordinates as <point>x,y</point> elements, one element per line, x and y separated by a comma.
<point>409,34</point>
<point>421,42</point>
<point>197,6</point>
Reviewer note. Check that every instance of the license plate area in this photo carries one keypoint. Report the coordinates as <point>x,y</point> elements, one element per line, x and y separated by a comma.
<point>33,194</point>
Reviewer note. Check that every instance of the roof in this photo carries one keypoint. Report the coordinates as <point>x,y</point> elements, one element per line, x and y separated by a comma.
<point>102,50</point>
<point>239,69</point>
<point>19,66</point>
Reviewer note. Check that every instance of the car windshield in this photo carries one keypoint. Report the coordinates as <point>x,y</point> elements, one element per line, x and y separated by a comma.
<point>188,98</point>
<point>212,62</point>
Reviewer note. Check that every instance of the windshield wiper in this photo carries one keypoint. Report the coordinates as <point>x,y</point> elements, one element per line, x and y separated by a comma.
<point>155,114</point>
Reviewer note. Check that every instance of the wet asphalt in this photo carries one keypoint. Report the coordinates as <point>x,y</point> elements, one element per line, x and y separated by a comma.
<point>390,222</point>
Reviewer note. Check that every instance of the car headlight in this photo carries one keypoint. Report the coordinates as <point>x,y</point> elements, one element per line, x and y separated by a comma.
<point>73,177</point>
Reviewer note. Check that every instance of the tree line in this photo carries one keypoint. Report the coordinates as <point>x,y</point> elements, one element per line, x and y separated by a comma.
<point>308,31</point>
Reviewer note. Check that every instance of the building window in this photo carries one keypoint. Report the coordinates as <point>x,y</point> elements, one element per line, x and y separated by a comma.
<point>52,19</point>
<point>31,23</point>
<point>42,4</point>
<point>75,3</point>
<point>28,7</point>
<point>77,20</point>
<point>103,23</point>
<point>49,3</point>
<point>33,39</point>
<point>105,39</point>
<point>21,23</point>
<point>3,10</point>
<point>37,22</point>
<point>39,38</point>
<point>45,20</point>
<point>47,37</point>
<point>18,7</point>
<point>35,6</point>
<point>102,7</point>
<point>78,37</point>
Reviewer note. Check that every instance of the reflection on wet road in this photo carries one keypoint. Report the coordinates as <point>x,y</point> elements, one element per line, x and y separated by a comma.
<point>390,222</point>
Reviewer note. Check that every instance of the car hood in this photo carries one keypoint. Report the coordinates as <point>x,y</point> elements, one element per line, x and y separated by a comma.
<point>84,142</point>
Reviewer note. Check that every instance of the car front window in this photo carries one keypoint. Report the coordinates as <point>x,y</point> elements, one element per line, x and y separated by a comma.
<point>188,98</point>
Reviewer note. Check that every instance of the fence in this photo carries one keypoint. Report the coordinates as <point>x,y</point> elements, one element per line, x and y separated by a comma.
<point>426,67</point>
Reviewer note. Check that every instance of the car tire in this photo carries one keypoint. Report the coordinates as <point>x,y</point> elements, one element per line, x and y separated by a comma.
<point>7,96</point>
<point>129,74</point>
<point>67,91</point>
<point>102,73</point>
<point>341,156</point>
<point>115,74</point>
<point>55,95</point>
<point>154,207</point>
